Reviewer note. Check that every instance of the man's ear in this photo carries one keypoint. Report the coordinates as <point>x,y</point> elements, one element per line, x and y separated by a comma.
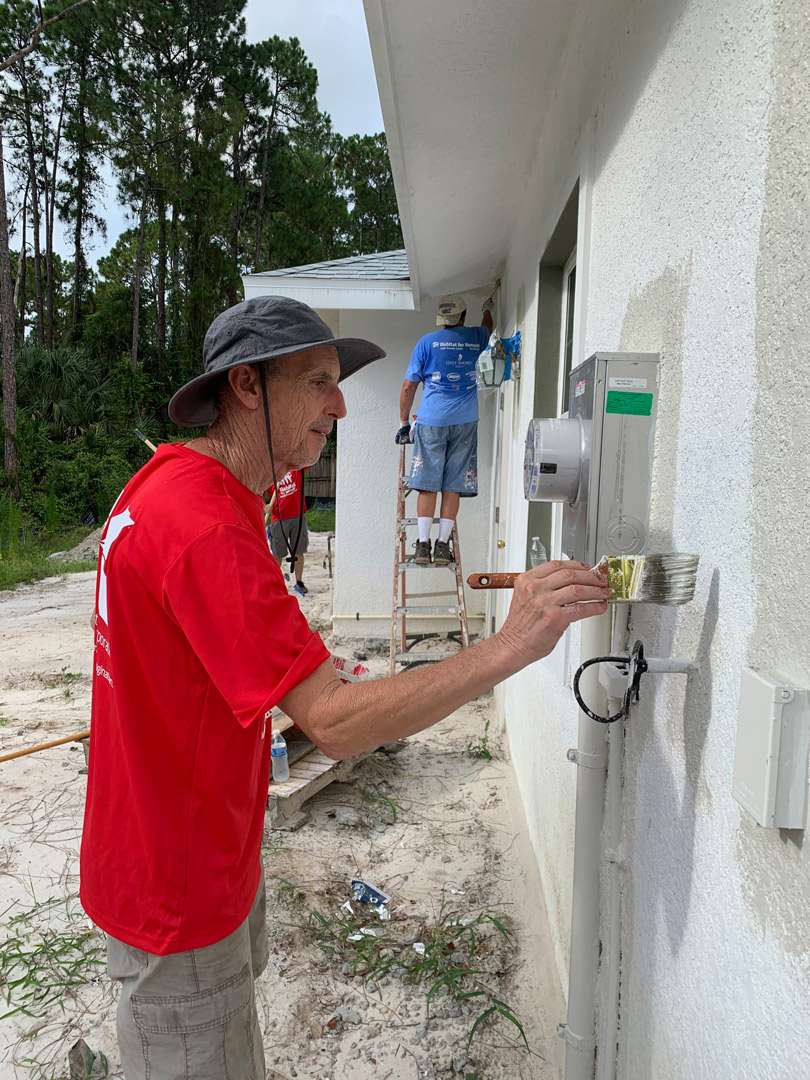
<point>244,382</point>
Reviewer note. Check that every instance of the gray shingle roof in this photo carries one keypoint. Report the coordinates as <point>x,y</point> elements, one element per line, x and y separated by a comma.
<point>381,266</point>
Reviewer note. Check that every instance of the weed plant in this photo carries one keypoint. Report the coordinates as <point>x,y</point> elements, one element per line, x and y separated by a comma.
<point>479,748</point>
<point>47,953</point>
<point>447,963</point>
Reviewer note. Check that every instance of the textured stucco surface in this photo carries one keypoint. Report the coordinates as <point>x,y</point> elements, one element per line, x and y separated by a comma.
<point>774,868</point>
<point>366,477</point>
<point>696,164</point>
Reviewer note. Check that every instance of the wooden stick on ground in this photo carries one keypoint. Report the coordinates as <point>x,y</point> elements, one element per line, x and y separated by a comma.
<point>77,736</point>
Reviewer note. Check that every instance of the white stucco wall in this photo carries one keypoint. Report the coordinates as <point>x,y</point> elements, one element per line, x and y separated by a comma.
<point>367,463</point>
<point>687,123</point>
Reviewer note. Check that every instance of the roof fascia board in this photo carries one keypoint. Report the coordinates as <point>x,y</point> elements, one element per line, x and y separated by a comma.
<point>315,282</point>
<point>333,295</point>
<point>379,39</point>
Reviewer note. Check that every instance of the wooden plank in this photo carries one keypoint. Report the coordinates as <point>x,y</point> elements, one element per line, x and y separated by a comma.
<point>279,809</point>
<point>280,720</point>
<point>309,768</point>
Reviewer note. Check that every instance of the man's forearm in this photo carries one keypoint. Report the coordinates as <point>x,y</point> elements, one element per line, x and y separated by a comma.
<point>348,719</point>
<point>406,396</point>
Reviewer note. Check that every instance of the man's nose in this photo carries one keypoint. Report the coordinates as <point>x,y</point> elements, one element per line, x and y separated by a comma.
<point>337,406</point>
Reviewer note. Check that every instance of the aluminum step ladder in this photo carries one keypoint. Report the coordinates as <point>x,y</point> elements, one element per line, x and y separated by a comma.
<point>402,653</point>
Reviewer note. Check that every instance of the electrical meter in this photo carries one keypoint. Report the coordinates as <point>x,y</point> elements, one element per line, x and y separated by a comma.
<point>597,461</point>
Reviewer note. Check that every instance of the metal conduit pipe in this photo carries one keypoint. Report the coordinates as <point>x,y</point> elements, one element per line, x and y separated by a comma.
<point>613,867</point>
<point>590,758</point>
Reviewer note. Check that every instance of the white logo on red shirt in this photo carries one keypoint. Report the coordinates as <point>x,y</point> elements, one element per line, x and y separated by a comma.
<point>115,526</point>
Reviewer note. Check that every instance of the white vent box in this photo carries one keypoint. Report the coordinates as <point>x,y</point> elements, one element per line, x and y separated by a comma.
<point>770,761</point>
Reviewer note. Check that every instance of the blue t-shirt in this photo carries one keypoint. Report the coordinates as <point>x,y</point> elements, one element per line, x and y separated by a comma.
<point>444,362</point>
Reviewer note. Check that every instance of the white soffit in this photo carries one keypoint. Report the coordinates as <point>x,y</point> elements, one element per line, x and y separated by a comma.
<point>462,87</point>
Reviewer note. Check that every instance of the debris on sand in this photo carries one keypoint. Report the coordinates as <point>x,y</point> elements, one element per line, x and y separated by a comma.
<point>85,551</point>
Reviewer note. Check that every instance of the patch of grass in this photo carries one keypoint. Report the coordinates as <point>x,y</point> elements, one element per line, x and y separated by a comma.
<point>27,560</point>
<point>379,805</point>
<point>321,519</point>
<point>480,748</point>
<point>4,721</point>
<point>53,679</point>
<point>446,964</point>
<point>47,953</point>
<point>288,893</point>
<point>34,567</point>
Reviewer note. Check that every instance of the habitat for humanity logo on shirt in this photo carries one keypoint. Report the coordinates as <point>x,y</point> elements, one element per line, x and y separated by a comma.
<point>445,363</point>
<point>287,486</point>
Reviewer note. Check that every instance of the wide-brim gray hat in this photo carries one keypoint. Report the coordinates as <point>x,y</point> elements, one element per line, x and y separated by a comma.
<point>256,330</point>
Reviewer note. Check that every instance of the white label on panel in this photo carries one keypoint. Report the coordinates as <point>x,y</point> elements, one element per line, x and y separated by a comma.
<point>622,383</point>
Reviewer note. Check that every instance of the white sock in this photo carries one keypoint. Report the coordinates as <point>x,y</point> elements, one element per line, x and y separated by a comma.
<point>445,529</point>
<point>424,524</point>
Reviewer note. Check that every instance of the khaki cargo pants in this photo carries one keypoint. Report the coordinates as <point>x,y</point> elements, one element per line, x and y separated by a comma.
<point>192,1015</point>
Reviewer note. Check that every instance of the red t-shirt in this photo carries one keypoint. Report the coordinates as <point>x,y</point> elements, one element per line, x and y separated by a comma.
<point>196,638</point>
<point>290,493</point>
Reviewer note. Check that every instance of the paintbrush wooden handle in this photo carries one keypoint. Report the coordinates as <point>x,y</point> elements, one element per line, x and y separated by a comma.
<point>492,581</point>
<point>77,736</point>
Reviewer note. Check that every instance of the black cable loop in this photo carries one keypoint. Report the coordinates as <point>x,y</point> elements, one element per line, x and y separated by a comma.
<point>268,433</point>
<point>624,660</point>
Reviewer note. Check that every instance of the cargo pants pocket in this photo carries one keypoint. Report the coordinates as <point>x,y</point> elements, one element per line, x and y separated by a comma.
<point>206,1035</point>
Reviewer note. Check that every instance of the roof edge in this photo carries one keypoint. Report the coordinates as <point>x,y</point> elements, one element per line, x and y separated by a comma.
<point>379,40</point>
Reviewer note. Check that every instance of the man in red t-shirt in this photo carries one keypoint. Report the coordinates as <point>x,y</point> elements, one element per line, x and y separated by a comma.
<point>286,524</point>
<point>196,639</point>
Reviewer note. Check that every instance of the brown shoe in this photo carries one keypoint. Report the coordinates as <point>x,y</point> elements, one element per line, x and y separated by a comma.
<point>422,553</point>
<point>442,553</point>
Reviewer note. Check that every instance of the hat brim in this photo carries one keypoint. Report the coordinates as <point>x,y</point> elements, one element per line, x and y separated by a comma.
<point>194,405</point>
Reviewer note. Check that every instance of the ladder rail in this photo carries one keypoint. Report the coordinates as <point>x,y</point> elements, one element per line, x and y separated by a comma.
<point>400,607</point>
<point>398,558</point>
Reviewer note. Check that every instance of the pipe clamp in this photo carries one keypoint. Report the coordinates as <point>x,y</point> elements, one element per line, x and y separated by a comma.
<point>587,761</point>
<point>577,1042</point>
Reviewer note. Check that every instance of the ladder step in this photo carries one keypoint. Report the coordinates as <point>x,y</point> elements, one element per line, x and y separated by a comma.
<point>409,564</point>
<point>412,521</point>
<point>425,595</point>
<point>413,609</point>
<point>422,657</point>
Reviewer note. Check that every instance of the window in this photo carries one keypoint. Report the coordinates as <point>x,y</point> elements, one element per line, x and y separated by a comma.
<point>567,326</point>
<point>555,354</point>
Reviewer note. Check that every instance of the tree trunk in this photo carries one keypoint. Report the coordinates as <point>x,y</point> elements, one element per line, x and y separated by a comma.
<point>257,251</point>
<point>174,271</point>
<point>257,247</point>
<point>79,267</point>
<point>10,458</point>
<point>19,284</point>
<point>137,274</point>
<point>160,299</point>
<point>50,209</point>
<point>236,216</point>
<point>39,306</point>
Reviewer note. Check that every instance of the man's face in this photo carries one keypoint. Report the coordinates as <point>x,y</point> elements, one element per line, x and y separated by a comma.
<point>305,401</point>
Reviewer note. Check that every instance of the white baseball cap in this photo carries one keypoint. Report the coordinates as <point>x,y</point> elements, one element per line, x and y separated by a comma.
<point>450,310</point>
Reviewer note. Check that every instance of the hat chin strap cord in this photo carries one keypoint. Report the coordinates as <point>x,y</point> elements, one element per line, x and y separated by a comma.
<point>291,548</point>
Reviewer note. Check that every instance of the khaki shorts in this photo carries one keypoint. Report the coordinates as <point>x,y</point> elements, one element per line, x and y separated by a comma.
<point>192,1015</point>
<point>279,529</point>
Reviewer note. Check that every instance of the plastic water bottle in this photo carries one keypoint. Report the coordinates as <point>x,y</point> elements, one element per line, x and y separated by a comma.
<point>279,759</point>
<point>537,552</point>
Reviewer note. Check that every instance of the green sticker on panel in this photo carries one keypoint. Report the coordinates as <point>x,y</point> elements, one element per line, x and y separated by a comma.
<point>624,401</point>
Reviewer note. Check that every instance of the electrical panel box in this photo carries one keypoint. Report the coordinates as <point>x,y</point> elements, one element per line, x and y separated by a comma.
<point>770,760</point>
<point>597,461</point>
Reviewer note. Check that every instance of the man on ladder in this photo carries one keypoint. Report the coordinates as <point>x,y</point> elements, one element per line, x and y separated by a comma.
<point>445,435</point>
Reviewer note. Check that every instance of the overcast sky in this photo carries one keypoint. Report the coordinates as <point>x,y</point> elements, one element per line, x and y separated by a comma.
<point>333,35</point>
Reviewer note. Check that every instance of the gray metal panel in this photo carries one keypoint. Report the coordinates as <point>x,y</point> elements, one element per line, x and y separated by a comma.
<point>611,514</point>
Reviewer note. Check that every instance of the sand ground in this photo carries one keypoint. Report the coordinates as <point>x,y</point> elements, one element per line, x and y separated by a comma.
<point>437,828</point>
